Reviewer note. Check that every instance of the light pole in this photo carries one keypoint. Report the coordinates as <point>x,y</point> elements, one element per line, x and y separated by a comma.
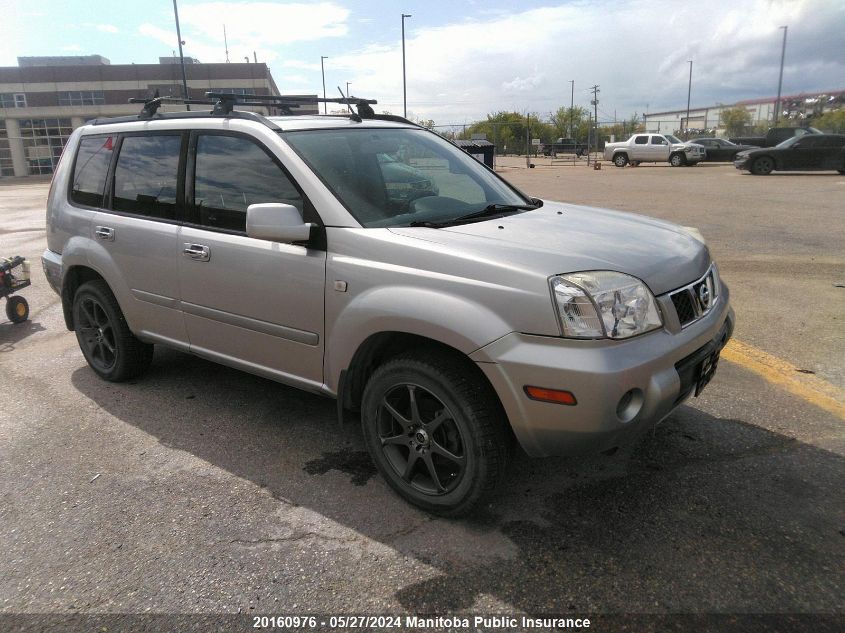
<point>689,94</point>
<point>571,108</point>
<point>323,72</point>
<point>347,89</point>
<point>181,56</point>
<point>780,79</point>
<point>404,84</point>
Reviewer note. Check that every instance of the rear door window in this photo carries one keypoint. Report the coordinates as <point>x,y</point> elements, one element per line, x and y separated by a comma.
<point>90,170</point>
<point>641,140</point>
<point>146,175</point>
<point>231,173</point>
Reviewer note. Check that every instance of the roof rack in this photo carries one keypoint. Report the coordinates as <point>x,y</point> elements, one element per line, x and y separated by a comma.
<point>223,104</point>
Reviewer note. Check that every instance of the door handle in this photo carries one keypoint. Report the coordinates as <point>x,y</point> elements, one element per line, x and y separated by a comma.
<point>197,251</point>
<point>104,233</point>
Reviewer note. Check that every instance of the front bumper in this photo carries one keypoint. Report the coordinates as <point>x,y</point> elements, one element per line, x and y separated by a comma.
<point>656,367</point>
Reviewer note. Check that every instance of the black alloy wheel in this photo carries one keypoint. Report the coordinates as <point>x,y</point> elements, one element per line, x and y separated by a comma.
<point>104,337</point>
<point>762,166</point>
<point>436,431</point>
<point>421,440</point>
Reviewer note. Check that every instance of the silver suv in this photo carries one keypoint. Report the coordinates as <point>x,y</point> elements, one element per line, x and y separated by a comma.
<point>366,259</point>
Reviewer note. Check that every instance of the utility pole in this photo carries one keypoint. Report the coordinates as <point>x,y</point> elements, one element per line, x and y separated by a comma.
<point>226,43</point>
<point>595,102</point>
<point>404,84</point>
<point>347,89</point>
<point>689,94</point>
<point>780,79</point>
<point>571,108</point>
<point>323,71</point>
<point>181,56</point>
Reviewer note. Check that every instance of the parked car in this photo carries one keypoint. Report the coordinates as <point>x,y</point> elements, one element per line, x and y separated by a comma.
<point>774,136</point>
<point>403,182</point>
<point>653,148</point>
<point>480,314</point>
<point>811,152</point>
<point>719,150</point>
<point>563,146</point>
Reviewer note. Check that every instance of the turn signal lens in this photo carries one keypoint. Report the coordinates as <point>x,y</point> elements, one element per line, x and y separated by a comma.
<point>556,396</point>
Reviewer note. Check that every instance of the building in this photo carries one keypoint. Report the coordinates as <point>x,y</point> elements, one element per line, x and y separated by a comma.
<point>43,99</point>
<point>794,107</point>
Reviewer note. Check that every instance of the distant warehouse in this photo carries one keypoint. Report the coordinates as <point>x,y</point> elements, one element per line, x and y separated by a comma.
<point>43,99</point>
<point>794,107</point>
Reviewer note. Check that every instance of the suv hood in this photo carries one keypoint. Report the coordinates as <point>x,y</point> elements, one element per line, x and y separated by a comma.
<point>563,238</point>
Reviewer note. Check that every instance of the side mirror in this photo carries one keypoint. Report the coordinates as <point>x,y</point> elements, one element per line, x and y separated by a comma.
<point>276,222</point>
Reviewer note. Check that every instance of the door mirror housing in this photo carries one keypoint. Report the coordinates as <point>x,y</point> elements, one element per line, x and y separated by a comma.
<point>276,222</point>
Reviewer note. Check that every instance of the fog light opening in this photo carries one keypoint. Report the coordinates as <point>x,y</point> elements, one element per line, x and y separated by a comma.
<point>629,405</point>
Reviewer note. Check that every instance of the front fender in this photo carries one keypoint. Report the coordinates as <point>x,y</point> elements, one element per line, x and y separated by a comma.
<point>448,318</point>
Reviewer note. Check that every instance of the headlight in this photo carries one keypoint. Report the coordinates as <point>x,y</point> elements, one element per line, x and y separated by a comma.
<point>603,303</point>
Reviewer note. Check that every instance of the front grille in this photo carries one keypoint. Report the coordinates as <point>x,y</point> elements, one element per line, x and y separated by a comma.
<point>695,300</point>
<point>683,306</point>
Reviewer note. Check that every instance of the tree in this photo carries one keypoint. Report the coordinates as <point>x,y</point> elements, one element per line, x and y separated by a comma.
<point>735,120</point>
<point>832,122</point>
<point>568,122</point>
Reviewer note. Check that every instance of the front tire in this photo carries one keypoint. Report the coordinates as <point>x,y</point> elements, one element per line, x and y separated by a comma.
<point>620,160</point>
<point>762,166</point>
<point>436,431</point>
<point>104,337</point>
<point>677,160</point>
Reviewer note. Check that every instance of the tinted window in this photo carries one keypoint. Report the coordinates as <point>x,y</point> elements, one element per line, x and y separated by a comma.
<point>92,166</point>
<point>641,140</point>
<point>232,173</point>
<point>146,174</point>
<point>833,141</point>
<point>808,142</point>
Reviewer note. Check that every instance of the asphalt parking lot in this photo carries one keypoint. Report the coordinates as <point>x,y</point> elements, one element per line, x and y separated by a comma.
<point>200,489</point>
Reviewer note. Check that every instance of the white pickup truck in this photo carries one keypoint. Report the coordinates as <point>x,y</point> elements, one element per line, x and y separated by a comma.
<point>654,148</point>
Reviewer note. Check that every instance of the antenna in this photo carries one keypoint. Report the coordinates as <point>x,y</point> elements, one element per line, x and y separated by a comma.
<point>226,43</point>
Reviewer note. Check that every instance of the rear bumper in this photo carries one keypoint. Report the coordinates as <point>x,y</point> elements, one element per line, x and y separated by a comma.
<point>657,369</point>
<point>53,270</point>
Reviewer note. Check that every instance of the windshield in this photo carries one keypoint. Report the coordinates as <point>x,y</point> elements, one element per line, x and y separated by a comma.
<point>399,176</point>
<point>673,139</point>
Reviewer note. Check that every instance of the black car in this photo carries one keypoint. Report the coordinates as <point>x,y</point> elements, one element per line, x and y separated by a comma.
<point>811,152</point>
<point>720,150</point>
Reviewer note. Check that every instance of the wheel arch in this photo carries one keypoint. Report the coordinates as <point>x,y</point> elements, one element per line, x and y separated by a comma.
<point>380,347</point>
<point>73,278</point>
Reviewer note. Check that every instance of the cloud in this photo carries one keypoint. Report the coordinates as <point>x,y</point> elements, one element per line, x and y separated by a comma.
<point>264,24</point>
<point>636,51</point>
<point>107,28</point>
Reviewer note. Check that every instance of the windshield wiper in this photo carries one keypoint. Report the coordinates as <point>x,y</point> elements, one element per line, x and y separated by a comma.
<point>490,210</point>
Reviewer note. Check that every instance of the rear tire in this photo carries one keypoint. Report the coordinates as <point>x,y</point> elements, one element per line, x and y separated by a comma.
<point>620,160</point>
<point>104,337</point>
<point>436,431</point>
<point>17,309</point>
<point>762,166</point>
<point>677,160</point>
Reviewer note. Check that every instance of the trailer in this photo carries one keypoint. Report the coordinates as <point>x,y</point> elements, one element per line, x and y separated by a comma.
<point>17,308</point>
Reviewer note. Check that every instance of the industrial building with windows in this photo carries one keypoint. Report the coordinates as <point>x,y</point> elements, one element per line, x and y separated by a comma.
<point>43,99</point>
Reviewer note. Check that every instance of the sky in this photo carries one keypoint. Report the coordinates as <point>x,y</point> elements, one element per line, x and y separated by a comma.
<point>467,58</point>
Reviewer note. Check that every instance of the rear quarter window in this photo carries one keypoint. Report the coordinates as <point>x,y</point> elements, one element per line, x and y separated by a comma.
<point>90,170</point>
<point>146,176</point>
